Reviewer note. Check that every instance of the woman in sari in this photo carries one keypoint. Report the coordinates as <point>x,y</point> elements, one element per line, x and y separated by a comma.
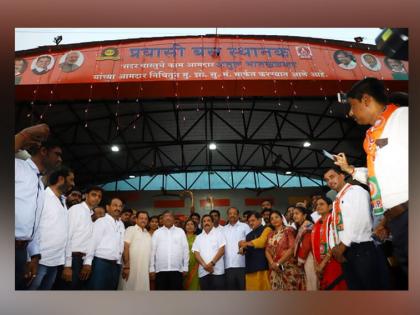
<point>191,281</point>
<point>284,273</point>
<point>329,271</point>
<point>303,246</point>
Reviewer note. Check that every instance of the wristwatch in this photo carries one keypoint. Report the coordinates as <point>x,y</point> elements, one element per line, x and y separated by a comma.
<point>213,263</point>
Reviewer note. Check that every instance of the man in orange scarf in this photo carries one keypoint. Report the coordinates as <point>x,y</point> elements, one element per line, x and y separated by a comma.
<point>386,147</point>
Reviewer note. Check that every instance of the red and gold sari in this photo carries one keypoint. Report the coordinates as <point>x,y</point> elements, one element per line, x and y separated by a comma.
<point>332,273</point>
<point>292,277</point>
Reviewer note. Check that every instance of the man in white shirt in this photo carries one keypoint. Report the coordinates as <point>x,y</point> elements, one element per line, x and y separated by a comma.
<point>208,249</point>
<point>215,214</point>
<point>350,239</point>
<point>29,198</point>
<point>136,255</point>
<point>106,248</point>
<point>80,229</point>
<point>234,232</point>
<point>169,257</point>
<point>52,227</point>
<point>386,145</point>
<point>73,198</point>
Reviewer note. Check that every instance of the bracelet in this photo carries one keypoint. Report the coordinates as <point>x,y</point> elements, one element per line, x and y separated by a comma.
<point>126,267</point>
<point>352,172</point>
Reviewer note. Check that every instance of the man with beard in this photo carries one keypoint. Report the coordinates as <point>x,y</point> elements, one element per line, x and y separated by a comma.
<point>126,217</point>
<point>29,197</point>
<point>53,221</point>
<point>106,248</point>
<point>70,63</point>
<point>266,207</point>
<point>74,197</point>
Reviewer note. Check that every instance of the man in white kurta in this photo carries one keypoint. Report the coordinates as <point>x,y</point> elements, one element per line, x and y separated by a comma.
<point>137,246</point>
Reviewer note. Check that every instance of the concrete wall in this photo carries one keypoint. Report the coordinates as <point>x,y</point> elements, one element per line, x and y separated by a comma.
<point>144,200</point>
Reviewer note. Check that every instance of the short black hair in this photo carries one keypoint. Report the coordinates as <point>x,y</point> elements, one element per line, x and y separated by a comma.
<point>206,215</point>
<point>265,210</point>
<point>168,212</point>
<point>44,56</point>
<point>345,53</point>
<point>195,214</point>
<point>326,199</point>
<point>398,98</point>
<point>49,145</point>
<point>255,214</point>
<point>335,169</point>
<point>144,212</point>
<point>371,86</point>
<point>126,209</point>
<point>237,210</point>
<point>74,189</point>
<point>247,212</point>
<point>215,211</point>
<point>109,200</point>
<point>94,188</point>
<point>62,171</point>
<point>153,217</point>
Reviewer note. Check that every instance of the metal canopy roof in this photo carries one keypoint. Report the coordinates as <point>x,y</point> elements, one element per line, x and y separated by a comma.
<point>169,135</point>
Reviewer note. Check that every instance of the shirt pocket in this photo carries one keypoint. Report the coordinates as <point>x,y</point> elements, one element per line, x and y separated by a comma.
<point>214,245</point>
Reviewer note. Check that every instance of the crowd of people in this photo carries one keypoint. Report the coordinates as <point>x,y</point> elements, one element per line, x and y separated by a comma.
<point>69,240</point>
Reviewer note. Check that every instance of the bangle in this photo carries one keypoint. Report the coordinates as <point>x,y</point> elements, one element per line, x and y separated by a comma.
<point>126,267</point>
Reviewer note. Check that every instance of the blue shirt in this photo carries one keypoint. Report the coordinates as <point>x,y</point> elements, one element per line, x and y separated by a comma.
<point>29,200</point>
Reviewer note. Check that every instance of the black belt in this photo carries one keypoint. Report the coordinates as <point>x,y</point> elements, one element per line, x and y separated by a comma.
<point>107,260</point>
<point>21,244</point>
<point>77,254</point>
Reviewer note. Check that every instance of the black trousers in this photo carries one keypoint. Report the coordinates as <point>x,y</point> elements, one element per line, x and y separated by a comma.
<point>105,275</point>
<point>20,267</point>
<point>399,231</point>
<point>76,266</point>
<point>235,278</point>
<point>212,282</point>
<point>366,267</point>
<point>169,280</point>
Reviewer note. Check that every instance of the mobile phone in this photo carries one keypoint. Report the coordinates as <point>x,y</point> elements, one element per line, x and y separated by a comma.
<point>342,98</point>
<point>328,155</point>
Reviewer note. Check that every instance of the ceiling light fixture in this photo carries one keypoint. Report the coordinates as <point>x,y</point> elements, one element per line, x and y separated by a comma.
<point>212,146</point>
<point>115,148</point>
